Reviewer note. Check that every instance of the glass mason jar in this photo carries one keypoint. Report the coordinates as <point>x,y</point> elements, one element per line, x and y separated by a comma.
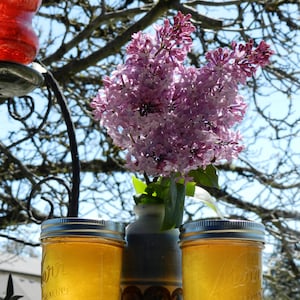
<point>222,260</point>
<point>18,41</point>
<point>81,259</point>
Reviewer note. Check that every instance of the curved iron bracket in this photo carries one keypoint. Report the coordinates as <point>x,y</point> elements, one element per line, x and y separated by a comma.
<point>17,80</point>
<point>74,197</point>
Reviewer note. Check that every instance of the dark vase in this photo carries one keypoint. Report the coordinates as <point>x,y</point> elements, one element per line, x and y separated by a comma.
<point>151,258</point>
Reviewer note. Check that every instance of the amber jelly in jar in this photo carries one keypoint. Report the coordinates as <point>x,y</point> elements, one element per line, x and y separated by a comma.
<point>222,259</point>
<point>81,259</point>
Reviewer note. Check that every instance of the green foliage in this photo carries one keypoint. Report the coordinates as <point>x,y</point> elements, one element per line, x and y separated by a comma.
<point>171,191</point>
<point>207,177</point>
<point>174,196</point>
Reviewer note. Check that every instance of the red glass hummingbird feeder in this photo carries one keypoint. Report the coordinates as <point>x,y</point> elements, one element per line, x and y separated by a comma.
<point>18,41</point>
<point>18,47</point>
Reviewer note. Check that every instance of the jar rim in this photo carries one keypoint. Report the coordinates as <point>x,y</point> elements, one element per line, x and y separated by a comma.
<point>71,226</point>
<point>222,229</point>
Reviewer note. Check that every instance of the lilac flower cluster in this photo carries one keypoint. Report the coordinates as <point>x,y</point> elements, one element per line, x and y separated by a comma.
<point>171,117</point>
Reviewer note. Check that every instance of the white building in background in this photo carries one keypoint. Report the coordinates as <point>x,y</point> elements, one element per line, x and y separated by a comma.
<point>26,275</point>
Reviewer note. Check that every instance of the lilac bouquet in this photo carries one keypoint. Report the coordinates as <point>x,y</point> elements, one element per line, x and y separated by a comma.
<point>175,121</point>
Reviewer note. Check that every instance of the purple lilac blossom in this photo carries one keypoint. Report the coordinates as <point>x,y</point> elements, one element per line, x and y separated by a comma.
<point>171,117</point>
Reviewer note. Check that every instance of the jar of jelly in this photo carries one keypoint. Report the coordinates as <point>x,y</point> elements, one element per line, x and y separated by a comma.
<point>81,259</point>
<point>18,41</point>
<point>222,260</point>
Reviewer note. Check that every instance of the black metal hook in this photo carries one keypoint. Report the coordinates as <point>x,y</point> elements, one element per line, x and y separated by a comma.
<point>74,197</point>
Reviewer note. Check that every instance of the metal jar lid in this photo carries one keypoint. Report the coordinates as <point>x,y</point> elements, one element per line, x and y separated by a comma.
<point>82,227</point>
<point>222,229</point>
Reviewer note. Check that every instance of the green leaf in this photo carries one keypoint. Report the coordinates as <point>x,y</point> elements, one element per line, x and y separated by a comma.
<point>139,185</point>
<point>207,177</point>
<point>145,199</point>
<point>148,194</point>
<point>190,189</point>
<point>174,202</point>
